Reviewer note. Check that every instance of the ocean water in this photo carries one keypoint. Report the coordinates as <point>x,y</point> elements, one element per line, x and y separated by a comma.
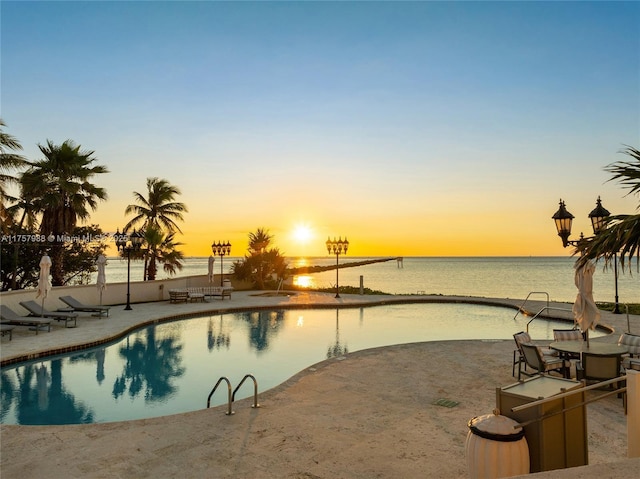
<point>503,277</point>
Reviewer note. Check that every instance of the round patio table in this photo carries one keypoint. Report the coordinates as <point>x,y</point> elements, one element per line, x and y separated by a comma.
<point>567,348</point>
<point>597,348</point>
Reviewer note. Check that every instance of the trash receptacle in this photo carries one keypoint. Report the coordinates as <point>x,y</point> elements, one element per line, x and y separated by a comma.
<point>496,447</point>
<point>556,431</point>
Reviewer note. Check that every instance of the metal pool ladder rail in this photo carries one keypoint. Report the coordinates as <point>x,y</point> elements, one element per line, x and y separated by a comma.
<point>520,309</point>
<point>231,395</point>
<point>547,308</point>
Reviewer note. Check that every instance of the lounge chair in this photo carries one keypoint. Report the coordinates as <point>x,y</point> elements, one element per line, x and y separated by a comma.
<point>36,310</point>
<point>6,329</point>
<point>78,306</point>
<point>10,317</point>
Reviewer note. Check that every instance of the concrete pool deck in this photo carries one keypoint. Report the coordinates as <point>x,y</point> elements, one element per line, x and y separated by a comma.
<point>368,414</point>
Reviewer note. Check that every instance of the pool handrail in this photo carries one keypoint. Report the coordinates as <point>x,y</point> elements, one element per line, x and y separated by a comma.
<point>521,307</point>
<point>255,390</point>
<point>546,308</point>
<point>230,400</point>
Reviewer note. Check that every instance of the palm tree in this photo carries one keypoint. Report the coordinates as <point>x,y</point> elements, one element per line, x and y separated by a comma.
<point>28,223</point>
<point>157,209</point>
<point>262,263</point>
<point>61,188</point>
<point>8,161</point>
<point>622,233</point>
<point>157,213</point>
<point>260,240</point>
<point>161,248</point>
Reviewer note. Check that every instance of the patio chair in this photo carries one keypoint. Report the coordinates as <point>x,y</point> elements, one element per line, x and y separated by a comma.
<point>599,367</point>
<point>518,357</point>
<point>541,364</point>
<point>568,335</point>
<point>36,310</point>
<point>78,306</point>
<point>632,343</point>
<point>10,317</point>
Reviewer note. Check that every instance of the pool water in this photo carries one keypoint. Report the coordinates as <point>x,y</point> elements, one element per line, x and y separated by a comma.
<point>171,367</point>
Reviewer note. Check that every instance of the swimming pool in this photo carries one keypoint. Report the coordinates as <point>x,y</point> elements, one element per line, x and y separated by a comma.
<point>170,368</point>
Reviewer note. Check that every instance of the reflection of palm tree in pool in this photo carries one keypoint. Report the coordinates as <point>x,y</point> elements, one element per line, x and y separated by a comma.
<point>7,389</point>
<point>337,349</point>
<point>217,340</point>
<point>150,366</point>
<point>41,401</point>
<point>100,353</point>
<point>262,325</point>
<point>96,355</point>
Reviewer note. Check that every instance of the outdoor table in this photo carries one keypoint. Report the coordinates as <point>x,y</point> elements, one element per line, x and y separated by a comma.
<point>566,348</point>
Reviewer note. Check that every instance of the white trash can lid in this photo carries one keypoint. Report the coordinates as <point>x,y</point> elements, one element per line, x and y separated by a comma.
<point>496,427</point>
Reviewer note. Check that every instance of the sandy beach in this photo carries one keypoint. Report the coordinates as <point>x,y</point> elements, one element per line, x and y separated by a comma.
<point>373,413</point>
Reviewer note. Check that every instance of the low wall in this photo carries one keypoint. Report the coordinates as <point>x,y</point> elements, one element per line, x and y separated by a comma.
<point>114,293</point>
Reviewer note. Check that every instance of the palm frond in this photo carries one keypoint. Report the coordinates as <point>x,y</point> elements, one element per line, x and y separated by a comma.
<point>627,172</point>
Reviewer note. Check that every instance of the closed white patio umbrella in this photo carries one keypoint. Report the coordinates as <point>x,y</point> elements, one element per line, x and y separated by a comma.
<point>210,271</point>
<point>44,284</point>
<point>585,312</point>
<point>101,280</point>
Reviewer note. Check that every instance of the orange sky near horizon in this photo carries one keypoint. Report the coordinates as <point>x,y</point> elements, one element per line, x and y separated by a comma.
<point>510,231</point>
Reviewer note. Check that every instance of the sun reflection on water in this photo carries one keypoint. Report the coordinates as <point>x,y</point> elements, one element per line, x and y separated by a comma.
<point>304,281</point>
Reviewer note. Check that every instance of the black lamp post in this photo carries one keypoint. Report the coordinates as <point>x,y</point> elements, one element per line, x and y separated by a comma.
<point>133,244</point>
<point>598,217</point>
<point>222,250</point>
<point>337,247</point>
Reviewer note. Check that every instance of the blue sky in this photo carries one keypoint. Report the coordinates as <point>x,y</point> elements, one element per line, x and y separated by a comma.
<point>414,128</point>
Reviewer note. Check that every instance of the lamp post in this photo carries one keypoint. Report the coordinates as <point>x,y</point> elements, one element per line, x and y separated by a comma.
<point>598,217</point>
<point>337,247</point>
<point>133,244</point>
<point>222,250</point>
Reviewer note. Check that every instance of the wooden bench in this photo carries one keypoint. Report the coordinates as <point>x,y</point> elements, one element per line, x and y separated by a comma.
<point>178,295</point>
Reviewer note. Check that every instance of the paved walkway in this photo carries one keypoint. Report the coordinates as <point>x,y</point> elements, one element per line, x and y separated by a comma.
<point>331,420</point>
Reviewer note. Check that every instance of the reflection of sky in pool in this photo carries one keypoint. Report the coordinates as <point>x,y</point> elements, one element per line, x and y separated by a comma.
<point>170,368</point>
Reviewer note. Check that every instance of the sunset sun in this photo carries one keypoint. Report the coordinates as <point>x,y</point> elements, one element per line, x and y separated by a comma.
<point>302,233</point>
